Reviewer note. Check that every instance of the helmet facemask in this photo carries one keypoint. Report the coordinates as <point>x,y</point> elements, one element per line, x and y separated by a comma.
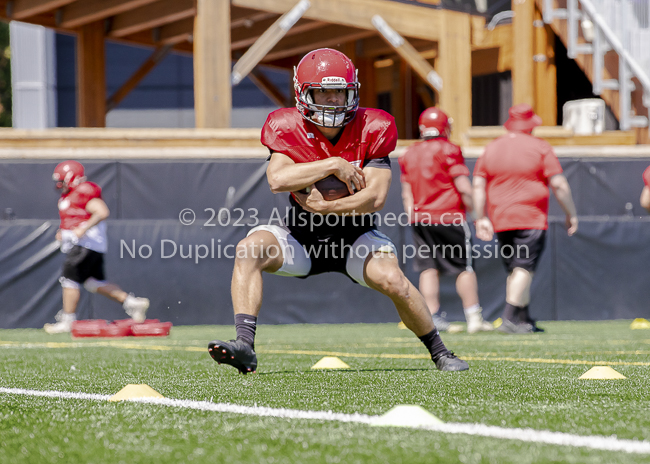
<point>327,115</point>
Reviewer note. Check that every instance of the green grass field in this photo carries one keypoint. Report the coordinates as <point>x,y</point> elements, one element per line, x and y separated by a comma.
<point>514,382</point>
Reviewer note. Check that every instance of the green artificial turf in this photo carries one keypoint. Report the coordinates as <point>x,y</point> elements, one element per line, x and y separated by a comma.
<point>514,381</point>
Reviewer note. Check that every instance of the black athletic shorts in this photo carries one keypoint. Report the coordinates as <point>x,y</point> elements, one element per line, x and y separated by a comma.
<point>521,248</point>
<point>447,248</point>
<point>81,264</point>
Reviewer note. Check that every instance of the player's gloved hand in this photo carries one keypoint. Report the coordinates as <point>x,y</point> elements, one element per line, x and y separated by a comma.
<point>352,175</point>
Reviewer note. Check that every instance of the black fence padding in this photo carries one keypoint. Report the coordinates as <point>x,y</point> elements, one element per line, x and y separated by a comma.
<point>598,274</point>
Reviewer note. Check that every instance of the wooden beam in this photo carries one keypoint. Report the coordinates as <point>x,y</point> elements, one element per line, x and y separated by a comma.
<point>454,64</point>
<point>267,41</point>
<point>151,62</point>
<point>545,72</point>
<point>150,16</point>
<point>88,11</point>
<point>243,37</point>
<point>376,46</point>
<point>244,16</point>
<point>328,36</point>
<point>408,53</point>
<point>21,9</point>
<point>212,61</point>
<point>407,19</point>
<point>179,31</point>
<point>91,72</point>
<point>522,63</point>
<point>270,90</point>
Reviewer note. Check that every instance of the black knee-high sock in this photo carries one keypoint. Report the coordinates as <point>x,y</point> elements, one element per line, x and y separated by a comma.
<point>511,313</point>
<point>245,324</point>
<point>524,316</point>
<point>434,344</point>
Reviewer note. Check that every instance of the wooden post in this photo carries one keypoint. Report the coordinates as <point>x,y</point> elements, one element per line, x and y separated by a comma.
<point>545,72</point>
<point>522,64</point>
<point>454,64</point>
<point>91,72</point>
<point>212,62</point>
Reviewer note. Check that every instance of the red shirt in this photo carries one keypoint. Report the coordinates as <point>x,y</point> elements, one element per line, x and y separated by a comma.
<point>371,134</point>
<point>72,205</point>
<point>646,176</point>
<point>430,167</point>
<point>517,168</point>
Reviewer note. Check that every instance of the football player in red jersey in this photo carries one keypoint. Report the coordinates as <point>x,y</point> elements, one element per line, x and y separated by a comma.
<point>645,193</point>
<point>437,192</point>
<point>83,238</point>
<point>327,133</point>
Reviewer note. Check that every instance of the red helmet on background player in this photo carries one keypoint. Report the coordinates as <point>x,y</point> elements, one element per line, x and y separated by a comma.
<point>434,123</point>
<point>326,69</point>
<point>68,174</point>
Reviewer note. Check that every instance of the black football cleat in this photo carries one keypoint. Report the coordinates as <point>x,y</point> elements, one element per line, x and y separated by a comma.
<point>236,353</point>
<point>509,327</point>
<point>449,362</point>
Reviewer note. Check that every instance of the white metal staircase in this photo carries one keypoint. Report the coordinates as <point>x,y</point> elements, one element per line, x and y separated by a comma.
<point>619,25</point>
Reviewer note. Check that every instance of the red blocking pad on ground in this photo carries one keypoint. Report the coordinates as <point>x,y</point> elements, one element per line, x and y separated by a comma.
<point>120,328</point>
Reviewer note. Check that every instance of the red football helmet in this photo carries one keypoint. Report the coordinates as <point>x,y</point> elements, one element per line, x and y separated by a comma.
<point>326,69</point>
<point>68,174</point>
<point>434,122</point>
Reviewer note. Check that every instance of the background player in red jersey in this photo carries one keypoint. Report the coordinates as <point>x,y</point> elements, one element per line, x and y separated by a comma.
<point>645,193</point>
<point>437,192</point>
<point>514,174</point>
<point>326,134</point>
<point>83,238</point>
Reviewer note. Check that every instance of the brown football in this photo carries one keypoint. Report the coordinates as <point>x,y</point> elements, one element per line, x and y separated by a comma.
<point>332,188</point>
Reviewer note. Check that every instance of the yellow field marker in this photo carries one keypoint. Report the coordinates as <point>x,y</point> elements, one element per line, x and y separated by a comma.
<point>330,362</point>
<point>133,391</point>
<point>640,323</point>
<point>602,372</point>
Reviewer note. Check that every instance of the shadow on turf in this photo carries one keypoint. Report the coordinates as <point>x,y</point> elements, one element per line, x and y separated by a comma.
<point>345,371</point>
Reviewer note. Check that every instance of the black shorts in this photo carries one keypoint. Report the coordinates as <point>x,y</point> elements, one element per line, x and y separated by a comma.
<point>521,248</point>
<point>447,248</point>
<point>81,264</point>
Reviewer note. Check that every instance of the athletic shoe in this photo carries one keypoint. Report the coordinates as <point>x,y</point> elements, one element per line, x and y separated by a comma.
<point>63,323</point>
<point>236,353</point>
<point>136,307</point>
<point>440,322</point>
<point>450,362</point>
<point>476,323</point>
<point>512,328</point>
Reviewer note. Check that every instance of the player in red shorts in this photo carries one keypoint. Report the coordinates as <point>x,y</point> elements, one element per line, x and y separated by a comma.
<point>83,238</point>
<point>326,134</point>
<point>514,174</point>
<point>437,192</point>
<point>645,193</point>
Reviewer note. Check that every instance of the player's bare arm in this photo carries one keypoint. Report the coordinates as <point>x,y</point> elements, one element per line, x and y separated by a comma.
<point>98,212</point>
<point>645,198</point>
<point>407,198</point>
<point>464,187</point>
<point>285,175</point>
<point>368,200</point>
<point>484,228</point>
<point>562,192</point>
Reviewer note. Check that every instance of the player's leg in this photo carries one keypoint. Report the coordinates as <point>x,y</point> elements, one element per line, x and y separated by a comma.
<point>372,262</point>
<point>467,289</point>
<point>430,289</point>
<point>72,275</point>
<point>269,249</point>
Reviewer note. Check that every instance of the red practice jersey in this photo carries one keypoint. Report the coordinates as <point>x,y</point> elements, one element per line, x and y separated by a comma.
<point>72,205</point>
<point>646,176</point>
<point>517,168</point>
<point>430,167</point>
<point>371,134</point>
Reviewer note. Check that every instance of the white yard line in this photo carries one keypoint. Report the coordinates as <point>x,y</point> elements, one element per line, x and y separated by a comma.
<point>527,435</point>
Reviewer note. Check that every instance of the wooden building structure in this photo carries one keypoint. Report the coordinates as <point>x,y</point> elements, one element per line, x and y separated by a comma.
<point>410,54</point>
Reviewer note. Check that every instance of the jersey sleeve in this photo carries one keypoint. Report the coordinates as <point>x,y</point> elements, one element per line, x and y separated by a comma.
<point>403,169</point>
<point>455,163</point>
<point>646,176</point>
<point>88,191</point>
<point>385,137</point>
<point>480,169</point>
<point>550,162</point>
